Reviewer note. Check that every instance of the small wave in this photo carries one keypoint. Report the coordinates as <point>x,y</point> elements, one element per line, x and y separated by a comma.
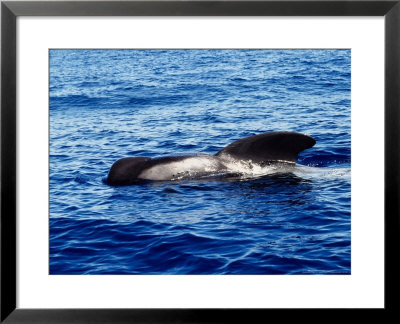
<point>170,190</point>
<point>81,179</point>
<point>157,100</point>
<point>73,100</point>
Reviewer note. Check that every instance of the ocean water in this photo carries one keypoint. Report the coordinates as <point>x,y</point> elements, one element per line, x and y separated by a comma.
<point>109,104</point>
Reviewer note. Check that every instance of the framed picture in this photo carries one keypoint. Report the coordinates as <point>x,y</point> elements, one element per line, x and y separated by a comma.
<point>195,161</point>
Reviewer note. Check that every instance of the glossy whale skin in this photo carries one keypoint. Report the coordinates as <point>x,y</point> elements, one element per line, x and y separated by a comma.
<point>263,149</point>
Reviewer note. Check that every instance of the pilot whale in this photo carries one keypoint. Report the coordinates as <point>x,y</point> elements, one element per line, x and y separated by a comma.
<point>255,151</point>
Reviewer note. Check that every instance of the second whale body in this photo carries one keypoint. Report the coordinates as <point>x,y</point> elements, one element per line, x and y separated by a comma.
<point>267,149</point>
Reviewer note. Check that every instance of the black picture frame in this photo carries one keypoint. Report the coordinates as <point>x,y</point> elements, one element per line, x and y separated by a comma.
<point>10,10</point>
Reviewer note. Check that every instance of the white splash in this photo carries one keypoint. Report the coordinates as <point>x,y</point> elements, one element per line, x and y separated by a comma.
<point>314,172</point>
<point>249,169</point>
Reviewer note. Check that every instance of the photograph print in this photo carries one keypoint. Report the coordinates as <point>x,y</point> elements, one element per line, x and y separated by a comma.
<point>200,161</point>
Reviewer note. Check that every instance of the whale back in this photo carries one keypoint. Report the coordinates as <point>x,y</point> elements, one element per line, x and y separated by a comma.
<point>269,147</point>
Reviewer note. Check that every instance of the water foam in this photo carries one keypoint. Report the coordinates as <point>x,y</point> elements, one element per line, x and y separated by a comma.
<point>249,169</point>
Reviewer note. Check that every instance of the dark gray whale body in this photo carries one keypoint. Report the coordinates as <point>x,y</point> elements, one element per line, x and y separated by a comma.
<point>261,150</point>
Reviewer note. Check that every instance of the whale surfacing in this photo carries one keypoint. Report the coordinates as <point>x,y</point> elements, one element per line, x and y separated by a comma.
<point>258,150</point>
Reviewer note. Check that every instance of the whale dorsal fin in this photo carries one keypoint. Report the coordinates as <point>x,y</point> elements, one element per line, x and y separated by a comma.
<point>269,147</point>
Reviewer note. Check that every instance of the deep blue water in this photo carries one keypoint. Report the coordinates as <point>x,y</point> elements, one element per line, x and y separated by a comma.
<point>109,104</point>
